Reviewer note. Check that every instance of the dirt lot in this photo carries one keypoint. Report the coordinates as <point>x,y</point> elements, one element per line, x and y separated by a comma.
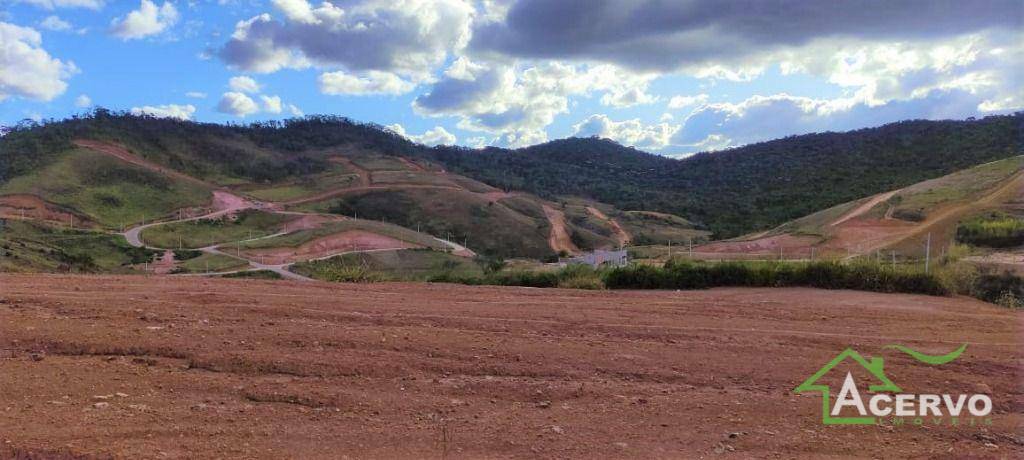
<point>166,367</point>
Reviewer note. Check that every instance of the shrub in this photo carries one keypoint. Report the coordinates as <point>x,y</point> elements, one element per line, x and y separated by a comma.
<point>996,230</point>
<point>825,274</point>
<point>1003,289</point>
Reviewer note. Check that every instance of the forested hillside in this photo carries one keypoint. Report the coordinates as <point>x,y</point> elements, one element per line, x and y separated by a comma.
<point>752,187</point>
<point>729,192</point>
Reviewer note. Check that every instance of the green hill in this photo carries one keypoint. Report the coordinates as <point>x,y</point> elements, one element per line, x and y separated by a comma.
<point>302,163</point>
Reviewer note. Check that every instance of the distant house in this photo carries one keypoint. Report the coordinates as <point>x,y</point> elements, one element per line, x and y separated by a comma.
<point>600,257</point>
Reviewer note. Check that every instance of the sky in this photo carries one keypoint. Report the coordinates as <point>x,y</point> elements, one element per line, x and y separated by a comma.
<point>668,77</point>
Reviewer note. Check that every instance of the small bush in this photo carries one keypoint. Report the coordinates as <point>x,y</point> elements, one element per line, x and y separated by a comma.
<point>353,275</point>
<point>995,230</point>
<point>1003,289</point>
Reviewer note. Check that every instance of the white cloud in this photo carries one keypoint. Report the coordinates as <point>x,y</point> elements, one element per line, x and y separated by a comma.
<point>26,69</point>
<point>518,101</point>
<point>628,97</point>
<point>372,82</point>
<point>146,21</point>
<point>293,110</point>
<point>54,4</point>
<point>244,84</point>
<point>271,104</point>
<point>181,112</point>
<point>434,136</point>
<point>55,24</point>
<point>83,101</point>
<point>195,95</point>
<point>237,104</point>
<point>666,117</point>
<point>408,38</point>
<point>627,132</point>
<point>680,102</point>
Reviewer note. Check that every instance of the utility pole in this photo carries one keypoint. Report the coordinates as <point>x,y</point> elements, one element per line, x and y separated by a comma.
<point>812,253</point>
<point>893,259</point>
<point>670,249</point>
<point>927,252</point>
<point>689,243</point>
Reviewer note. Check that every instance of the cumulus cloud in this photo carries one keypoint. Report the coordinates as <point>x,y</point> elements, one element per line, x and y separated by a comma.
<point>681,102</point>
<point>665,36</point>
<point>271,104</point>
<point>237,104</point>
<point>517,102</point>
<point>26,69</point>
<point>83,101</point>
<point>181,112</point>
<point>244,84</point>
<point>627,132</point>
<point>435,136</point>
<point>146,21</point>
<point>372,82</point>
<point>408,38</point>
<point>293,110</point>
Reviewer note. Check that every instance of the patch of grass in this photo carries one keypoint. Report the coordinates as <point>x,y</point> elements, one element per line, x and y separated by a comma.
<point>31,246</point>
<point>649,228</point>
<point>917,201</point>
<point>490,228</point>
<point>411,177</point>
<point>212,263</point>
<point>379,163</point>
<point>303,187</point>
<point>994,230</point>
<point>255,274</point>
<point>107,190</point>
<point>249,223</point>
<point>301,237</point>
<point>404,265</point>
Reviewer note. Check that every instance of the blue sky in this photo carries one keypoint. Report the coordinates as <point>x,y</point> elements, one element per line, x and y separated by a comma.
<point>667,77</point>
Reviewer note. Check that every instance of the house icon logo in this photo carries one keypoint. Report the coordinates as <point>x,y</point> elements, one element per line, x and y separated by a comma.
<point>888,398</point>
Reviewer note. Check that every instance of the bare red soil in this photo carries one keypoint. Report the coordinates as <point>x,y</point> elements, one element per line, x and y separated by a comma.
<point>351,240</point>
<point>139,367</point>
<point>559,239</point>
<point>31,207</point>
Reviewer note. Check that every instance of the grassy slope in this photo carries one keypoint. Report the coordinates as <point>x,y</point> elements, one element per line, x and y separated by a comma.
<point>206,232</point>
<point>111,192</point>
<point>304,236</point>
<point>29,246</point>
<point>489,228</point>
<point>922,198</point>
<point>213,263</point>
<point>409,265</point>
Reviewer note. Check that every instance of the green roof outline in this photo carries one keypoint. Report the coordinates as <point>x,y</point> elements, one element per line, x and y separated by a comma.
<point>875,367</point>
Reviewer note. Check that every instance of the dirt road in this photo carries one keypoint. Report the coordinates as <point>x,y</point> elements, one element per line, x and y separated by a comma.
<point>156,367</point>
<point>559,239</point>
<point>621,236</point>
